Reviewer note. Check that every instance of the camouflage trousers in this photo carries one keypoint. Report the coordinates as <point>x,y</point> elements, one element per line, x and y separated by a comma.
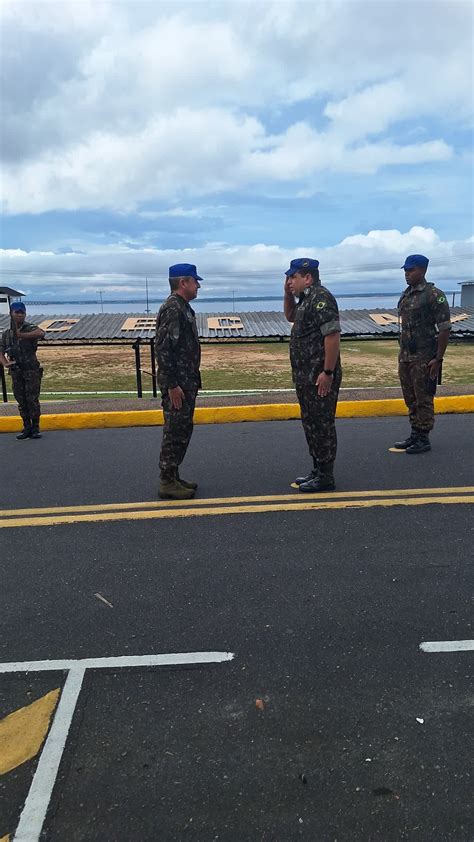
<point>177,432</point>
<point>414,378</point>
<point>26,385</point>
<point>317,416</point>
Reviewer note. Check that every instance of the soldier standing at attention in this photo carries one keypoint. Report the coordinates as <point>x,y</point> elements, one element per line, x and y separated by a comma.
<point>18,347</point>
<point>316,366</point>
<point>178,356</point>
<point>425,323</point>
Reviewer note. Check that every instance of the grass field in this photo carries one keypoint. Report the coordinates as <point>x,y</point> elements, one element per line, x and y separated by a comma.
<point>250,366</point>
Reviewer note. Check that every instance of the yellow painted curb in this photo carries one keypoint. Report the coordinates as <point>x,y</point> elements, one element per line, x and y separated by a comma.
<point>230,414</point>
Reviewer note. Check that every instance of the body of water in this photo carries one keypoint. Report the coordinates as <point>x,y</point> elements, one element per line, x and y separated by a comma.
<point>65,309</point>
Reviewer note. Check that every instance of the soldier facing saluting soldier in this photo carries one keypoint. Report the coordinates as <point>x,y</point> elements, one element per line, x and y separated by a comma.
<point>178,355</point>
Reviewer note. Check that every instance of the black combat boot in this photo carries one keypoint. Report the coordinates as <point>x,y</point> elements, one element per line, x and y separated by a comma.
<point>172,489</point>
<point>191,485</point>
<point>402,445</point>
<point>35,433</point>
<point>313,475</point>
<point>324,481</point>
<point>420,445</point>
<point>25,434</point>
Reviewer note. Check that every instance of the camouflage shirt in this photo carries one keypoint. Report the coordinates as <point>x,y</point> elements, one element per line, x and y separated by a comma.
<point>316,316</point>
<point>24,352</point>
<point>423,311</point>
<point>177,349</point>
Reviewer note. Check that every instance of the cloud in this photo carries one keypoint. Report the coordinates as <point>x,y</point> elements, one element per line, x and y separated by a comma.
<point>217,151</point>
<point>361,262</point>
<point>113,104</point>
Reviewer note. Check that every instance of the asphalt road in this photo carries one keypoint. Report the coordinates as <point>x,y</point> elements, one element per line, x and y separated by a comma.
<point>329,723</point>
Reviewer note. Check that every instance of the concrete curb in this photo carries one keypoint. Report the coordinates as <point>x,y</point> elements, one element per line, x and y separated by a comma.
<point>230,414</point>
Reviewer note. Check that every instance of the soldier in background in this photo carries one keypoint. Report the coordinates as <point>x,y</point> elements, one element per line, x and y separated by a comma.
<point>18,346</point>
<point>178,356</point>
<point>425,324</point>
<point>316,366</point>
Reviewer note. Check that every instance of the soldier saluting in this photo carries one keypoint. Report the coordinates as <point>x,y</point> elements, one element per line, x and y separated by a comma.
<point>18,347</point>
<point>178,356</point>
<point>425,323</point>
<point>316,366</point>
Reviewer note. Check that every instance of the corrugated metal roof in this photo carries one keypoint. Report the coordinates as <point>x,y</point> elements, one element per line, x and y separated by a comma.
<point>105,327</point>
<point>10,291</point>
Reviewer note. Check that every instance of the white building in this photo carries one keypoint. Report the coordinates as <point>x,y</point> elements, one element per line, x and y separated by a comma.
<point>7,295</point>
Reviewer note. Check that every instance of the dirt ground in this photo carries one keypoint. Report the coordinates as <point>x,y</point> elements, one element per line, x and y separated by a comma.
<point>256,365</point>
<point>371,364</point>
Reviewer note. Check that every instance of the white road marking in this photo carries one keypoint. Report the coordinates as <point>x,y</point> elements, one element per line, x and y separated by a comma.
<point>37,802</point>
<point>447,646</point>
<point>173,659</point>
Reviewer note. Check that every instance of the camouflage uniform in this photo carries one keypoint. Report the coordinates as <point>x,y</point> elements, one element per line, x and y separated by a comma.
<point>316,316</point>
<point>26,374</point>
<point>421,309</point>
<point>178,356</point>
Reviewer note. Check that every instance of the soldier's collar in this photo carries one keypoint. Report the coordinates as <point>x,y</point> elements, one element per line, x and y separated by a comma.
<point>416,287</point>
<point>311,288</point>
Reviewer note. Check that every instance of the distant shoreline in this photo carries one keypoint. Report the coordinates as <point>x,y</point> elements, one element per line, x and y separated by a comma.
<point>209,299</point>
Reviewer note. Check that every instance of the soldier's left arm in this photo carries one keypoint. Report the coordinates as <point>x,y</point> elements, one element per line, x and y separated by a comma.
<point>442,317</point>
<point>328,314</point>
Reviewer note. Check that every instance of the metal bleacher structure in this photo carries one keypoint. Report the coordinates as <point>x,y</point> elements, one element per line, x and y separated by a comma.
<point>138,330</point>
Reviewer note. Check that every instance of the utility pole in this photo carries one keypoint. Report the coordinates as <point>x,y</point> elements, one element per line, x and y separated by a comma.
<point>233,301</point>
<point>146,288</point>
<point>101,302</point>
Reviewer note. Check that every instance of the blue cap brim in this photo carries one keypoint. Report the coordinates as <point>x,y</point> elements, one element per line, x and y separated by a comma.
<point>197,278</point>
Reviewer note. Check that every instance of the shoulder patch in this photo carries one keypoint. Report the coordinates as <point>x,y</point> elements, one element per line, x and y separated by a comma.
<point>441,299</point>
<point>320,305</point>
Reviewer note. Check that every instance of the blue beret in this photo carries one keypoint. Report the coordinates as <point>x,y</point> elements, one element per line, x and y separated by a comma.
<point>302,265</point>
<point>184,270</point>
<point>414,260</point>
<point>17,307</point>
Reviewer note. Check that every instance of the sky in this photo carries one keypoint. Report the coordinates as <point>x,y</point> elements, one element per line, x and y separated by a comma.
<point>236,136</point>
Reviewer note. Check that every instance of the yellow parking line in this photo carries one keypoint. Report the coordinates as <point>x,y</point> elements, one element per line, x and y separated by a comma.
<point>206,501</point>
<point>23,731</point>
<point>306,505</point>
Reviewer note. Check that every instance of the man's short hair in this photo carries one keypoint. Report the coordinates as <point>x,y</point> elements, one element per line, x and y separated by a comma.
<point>174,282</point>
<point>313,272</point>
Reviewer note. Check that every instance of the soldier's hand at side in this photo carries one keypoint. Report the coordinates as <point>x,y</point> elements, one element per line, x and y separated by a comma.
<point>323,384</point>
<point>433,368</point>
<point>176,397</point>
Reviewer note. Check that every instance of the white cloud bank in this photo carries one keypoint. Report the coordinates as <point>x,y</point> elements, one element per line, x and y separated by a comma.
<point>361,262</point>
<point>113,104</point>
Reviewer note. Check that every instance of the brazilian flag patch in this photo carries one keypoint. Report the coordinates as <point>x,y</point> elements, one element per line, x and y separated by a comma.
<point>320,305</point>
<point>441,299</point>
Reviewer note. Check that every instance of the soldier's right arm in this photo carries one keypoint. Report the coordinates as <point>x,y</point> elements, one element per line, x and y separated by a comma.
<point>289,303</point>
<point>166,340</point>
<point>3,348</point>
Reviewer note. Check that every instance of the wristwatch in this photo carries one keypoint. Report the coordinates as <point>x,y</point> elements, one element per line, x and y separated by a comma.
<point>329,371</point>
